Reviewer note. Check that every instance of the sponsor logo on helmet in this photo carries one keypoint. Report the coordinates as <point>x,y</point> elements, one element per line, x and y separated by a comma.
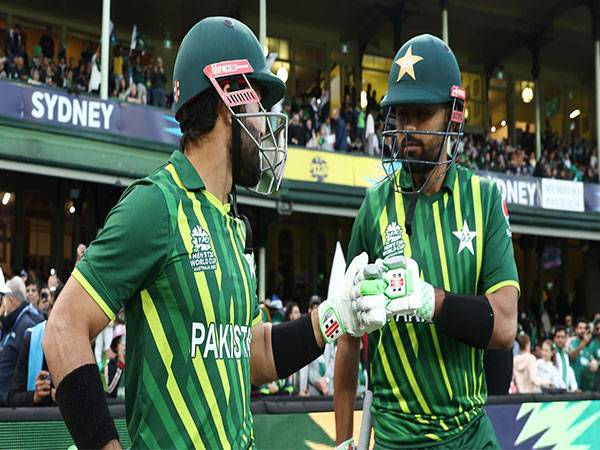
<point>319,169</point>
<point>457,92</point>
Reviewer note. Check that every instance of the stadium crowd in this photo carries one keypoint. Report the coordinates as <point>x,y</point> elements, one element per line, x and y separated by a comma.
<point>563,358</point>
<point>137,77</point>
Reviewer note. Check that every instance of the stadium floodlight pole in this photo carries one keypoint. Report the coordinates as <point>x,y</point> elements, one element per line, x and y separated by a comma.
<point>104,56</point>
<point>445,23</point>
<point>262,24</point>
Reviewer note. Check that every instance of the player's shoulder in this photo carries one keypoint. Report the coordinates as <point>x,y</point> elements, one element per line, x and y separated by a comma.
<point>467,176</point>
<point>377,194</point>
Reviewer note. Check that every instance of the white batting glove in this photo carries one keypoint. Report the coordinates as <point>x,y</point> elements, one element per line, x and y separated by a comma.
<point>395,281</point>
<point>337,315</point>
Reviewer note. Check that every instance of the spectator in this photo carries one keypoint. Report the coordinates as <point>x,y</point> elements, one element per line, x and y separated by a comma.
<point>95,74</point>
<point>341,135</point>
<point>583,362</point>
<point>292,311</point>
<point>121,92</point>
<point>33,292</point>
<point>525,377</point>
<point>18,71</point>
<point>16,316</point>
<point>15,43</point>
<point>569,325</point>
<point>118,64</point>
<point>132,96</point>
<point>546,368</point>
<point>372,143</point>
<point>47,43</point>
<point>44,302</point>
<point>3,71</point>
<point>296,134</point>
<point>31,383</point>
<point>312,141</point>
<point>562,359</point>
<point>35,78</point>
<point>594,349</point>
<point>114,370</point>
<point>326,138</point>
<point>159,80</point>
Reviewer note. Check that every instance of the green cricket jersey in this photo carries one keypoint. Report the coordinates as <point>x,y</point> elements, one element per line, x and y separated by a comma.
<point>428,387</point>
<point>584,376</point>
<point>172,255</point>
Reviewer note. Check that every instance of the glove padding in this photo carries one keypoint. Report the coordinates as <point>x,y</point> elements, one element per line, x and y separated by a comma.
<point>394,282</point>
<point>337,315</point>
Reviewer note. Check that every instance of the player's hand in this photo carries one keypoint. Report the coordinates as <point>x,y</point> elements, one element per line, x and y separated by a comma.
<point>395,281</point>
<point>337,315</point>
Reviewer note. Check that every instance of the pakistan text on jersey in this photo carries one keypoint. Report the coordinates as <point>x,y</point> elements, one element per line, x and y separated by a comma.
<point>221,341</point>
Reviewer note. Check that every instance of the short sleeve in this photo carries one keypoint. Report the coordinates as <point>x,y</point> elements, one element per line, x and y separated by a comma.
<point>498,267</point>
<point>130,250</point>
<point>359,239</point>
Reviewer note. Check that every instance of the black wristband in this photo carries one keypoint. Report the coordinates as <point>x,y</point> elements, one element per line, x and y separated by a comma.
<point>81,401</point>
<point>294,345</point>
<point>468,319</point>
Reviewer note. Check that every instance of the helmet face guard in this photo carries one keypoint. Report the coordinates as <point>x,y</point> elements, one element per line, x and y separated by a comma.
<point>395,155</point>
<point>272,145</point>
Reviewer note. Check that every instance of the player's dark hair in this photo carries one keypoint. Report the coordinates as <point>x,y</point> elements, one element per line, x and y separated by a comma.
<point>579,320</point>
<point>523,340</point>
<point>198,117</point>
<point>558,329</point>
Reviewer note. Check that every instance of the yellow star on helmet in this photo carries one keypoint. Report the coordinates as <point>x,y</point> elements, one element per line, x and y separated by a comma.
<point>407,63</point>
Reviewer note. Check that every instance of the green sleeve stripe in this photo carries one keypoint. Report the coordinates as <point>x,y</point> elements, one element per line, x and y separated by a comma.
<point>438,351</point>
<point>440,242</point>
<point>391,380</point>
<point>408,369</point>
<point>164,350</point>
<point>476,185</point>
<point>399,201</point>
<point>497,286</point>
<point>93,293</point>
<point>240,269</point>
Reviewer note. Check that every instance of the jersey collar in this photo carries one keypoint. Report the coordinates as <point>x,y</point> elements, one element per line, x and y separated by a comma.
<point>186,171</point>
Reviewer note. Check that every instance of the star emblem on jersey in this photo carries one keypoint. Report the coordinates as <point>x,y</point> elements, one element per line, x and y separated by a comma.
<point>407,63</point>
<point>465,238</point>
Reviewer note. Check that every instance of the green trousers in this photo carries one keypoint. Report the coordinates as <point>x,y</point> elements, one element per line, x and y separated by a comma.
<point>479,436</point>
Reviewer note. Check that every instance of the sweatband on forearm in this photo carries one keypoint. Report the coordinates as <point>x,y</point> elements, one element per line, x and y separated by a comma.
<point>81,401</point>
<point>294,345</point>
<point>468,319</point>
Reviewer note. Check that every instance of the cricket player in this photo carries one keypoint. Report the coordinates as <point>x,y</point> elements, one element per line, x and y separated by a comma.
<point>449,228</point>
<point>177,256</point>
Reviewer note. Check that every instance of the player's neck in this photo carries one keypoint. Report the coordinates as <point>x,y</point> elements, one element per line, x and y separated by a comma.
<point>213,166</point>
<point>435,183</point>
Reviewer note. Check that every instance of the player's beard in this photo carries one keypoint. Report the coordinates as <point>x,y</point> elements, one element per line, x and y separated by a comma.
<point>429,153</point>
<point>248,174</point>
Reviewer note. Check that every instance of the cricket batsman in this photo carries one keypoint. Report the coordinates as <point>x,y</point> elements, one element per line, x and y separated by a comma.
<point>441,237</point>
<point>175,254</point>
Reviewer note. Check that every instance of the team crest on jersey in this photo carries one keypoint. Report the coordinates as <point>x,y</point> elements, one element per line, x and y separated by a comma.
<point>203,257</point>
<point>394,241</point>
